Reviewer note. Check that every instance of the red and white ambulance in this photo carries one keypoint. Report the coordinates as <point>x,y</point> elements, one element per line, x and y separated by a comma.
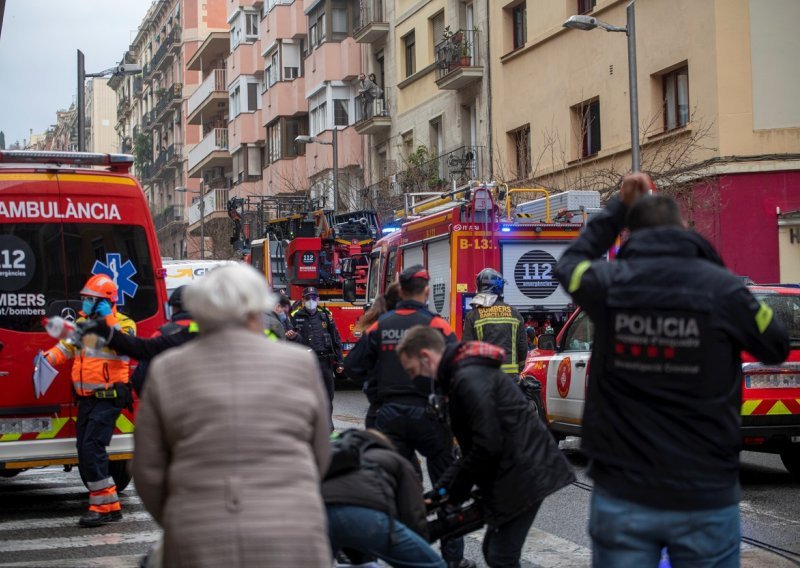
<point>63,217</point>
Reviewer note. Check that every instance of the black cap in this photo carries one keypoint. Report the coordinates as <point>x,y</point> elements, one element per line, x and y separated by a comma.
<point>310,291</point>
<point>416,271</point>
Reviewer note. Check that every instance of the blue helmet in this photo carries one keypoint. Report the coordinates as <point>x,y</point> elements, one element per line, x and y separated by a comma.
<point>490,281</point>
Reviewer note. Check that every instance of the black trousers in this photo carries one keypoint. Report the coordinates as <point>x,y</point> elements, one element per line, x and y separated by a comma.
<point>326,373</point>
<point>95,426</point>
<point>502,545</point>
<point>413,428</point>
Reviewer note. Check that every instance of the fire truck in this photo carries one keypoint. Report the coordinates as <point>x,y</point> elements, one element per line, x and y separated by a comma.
<point>63,217</point>
<point>325,250</point>
<point>457,234</point>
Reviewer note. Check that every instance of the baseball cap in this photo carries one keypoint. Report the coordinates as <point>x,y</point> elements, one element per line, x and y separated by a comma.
<point>416,271</point>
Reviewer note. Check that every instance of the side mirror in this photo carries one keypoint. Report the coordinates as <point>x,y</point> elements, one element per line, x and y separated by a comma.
<point>349,290</point>
<point>348,268</point>
<point>547,342</point>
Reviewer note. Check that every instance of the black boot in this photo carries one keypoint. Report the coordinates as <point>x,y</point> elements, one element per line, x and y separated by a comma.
<point>95,519</point>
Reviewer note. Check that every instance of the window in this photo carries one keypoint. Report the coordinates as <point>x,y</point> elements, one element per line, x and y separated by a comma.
<point>675,87</point>
<point>589,127</point>
<point>252,97</point>
<point>274,142</point>
<point>272,69</point>
<point>437,28</point>
<point>236,34</point>
<point>251,26</point>
<point>519,19</point>
<point>411,54</point>
<point>319,118</point>
<point>521,139</point>
<point>580,334</point>
<point>340,112</point>
<point>235,101</point>
<point>585,6</point>
<point>294,128</point>
<point>339,20</point>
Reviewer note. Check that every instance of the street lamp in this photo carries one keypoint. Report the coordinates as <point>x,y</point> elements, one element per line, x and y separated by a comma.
<point>303,139</point>
<point>121,69</point>
<point>202,218</point>
<point>585,23</point>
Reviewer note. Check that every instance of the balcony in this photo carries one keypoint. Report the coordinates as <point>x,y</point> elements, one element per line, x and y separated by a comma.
<point>212,204</point>
<point>174,155</point>
<point>147,173</point>
<point>168,99</point>
<point>210,93</point>
<point>137,86</point>
<point>372,114</point>
<point>461,165</point>
<point>123,108</point>
<point>458,62</point>
<point>212,151</point>
<point>372,24</point>
<point>149,119</point>
<point>164,50</point>
<point>170,215</point>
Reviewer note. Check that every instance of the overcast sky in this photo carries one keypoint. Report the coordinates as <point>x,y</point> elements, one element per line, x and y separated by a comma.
<point>38,55</point>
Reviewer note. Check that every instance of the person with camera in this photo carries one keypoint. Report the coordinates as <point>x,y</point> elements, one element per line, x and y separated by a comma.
<point>508,454</point>
<point>374,502</point>
<point>100,377</point>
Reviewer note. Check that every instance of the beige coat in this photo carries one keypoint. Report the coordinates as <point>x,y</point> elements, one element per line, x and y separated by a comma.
<point>231,437</point>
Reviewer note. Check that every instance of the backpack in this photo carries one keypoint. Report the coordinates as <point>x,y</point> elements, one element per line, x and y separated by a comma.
<point>347,452</point>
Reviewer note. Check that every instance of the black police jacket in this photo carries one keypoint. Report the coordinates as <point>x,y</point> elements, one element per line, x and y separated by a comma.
<point>318,331</point>
<point>662,416</point>
<point>507,450</point>
<point>501,325</point>
<point>374,356</point>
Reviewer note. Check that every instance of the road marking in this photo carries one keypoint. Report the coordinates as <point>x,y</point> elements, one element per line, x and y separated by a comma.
<point>125,561</point>
<point>548,550</point>
<point>108,539</point>
<point>52,523</point>
<point>747,507</point>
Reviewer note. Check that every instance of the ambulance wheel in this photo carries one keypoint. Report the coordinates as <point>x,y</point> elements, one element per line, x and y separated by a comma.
<point>791,460</point>
<point>121,472</point>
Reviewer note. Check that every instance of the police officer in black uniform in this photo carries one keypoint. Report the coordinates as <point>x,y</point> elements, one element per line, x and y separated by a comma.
<point>316,329</point>
<point>493,321</point>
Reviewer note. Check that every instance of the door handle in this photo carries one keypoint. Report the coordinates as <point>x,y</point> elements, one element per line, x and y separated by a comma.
<point>580,364</point>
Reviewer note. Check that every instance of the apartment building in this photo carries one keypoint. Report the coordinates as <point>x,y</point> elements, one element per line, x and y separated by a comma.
<point>100,103</point>
<point>719,125</point>
<point>428,128</point>
<point>152,114</point>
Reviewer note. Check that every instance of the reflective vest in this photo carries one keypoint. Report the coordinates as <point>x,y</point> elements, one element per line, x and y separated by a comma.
<point>95,369</point>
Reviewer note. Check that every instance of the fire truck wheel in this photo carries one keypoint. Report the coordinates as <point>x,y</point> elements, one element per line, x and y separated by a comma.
<point>120,472</point>
<point>791,460</point>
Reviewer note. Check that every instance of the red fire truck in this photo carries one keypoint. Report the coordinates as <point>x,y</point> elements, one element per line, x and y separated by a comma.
<point>458,234</point>
<point>327,251</point>
<point>62,219</point>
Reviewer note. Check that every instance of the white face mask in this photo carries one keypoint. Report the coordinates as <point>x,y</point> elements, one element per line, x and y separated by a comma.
<point>311,305</point>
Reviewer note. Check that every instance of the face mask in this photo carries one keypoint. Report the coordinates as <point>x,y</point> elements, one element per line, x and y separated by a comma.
<point>311,305</point>
<point>282,316</point>
<point>87,307</point>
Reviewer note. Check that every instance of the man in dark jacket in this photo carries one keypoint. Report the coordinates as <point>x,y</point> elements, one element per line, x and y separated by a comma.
<point>507,453</point>
<point>662,417</point>
<point>378,510</point>
<point>404,415</point>
<point>493,321</point>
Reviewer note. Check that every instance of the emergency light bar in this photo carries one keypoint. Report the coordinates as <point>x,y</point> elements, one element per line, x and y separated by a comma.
<point>115,162</point>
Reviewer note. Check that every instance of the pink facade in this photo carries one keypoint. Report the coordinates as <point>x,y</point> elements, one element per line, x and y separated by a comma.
<point>245,128</point>
<point>333,62</point>
<point>319,157</point>
<point>283,21</point>
<point>738,214</point>
<point>285,98</point>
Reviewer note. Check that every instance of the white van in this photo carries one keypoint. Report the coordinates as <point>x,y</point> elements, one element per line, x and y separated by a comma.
<point>182,272</point>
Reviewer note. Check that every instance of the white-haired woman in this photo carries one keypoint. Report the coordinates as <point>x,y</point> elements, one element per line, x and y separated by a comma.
<point>232,437</point>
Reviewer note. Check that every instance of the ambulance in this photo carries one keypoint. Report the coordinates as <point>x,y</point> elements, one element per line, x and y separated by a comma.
<point>63,217</point>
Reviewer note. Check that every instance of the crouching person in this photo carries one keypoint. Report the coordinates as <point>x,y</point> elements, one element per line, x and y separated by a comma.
<point>507,453</point>
<point>374,502</point>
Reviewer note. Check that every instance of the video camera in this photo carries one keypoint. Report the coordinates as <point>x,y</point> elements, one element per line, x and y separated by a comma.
<point>452,521</point>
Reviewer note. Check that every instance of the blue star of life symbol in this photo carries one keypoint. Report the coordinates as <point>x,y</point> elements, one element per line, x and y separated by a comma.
<point>121,273</point>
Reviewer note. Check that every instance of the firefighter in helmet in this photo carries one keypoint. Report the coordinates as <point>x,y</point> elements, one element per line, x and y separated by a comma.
<point>315,328</point>
<point>493,321</point>
<point>100,378</point>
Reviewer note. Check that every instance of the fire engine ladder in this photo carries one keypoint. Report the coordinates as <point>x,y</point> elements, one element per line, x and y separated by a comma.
<point>434,202</point>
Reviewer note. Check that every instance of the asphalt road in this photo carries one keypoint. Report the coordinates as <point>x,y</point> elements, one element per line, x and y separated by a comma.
<point>39,509</point>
